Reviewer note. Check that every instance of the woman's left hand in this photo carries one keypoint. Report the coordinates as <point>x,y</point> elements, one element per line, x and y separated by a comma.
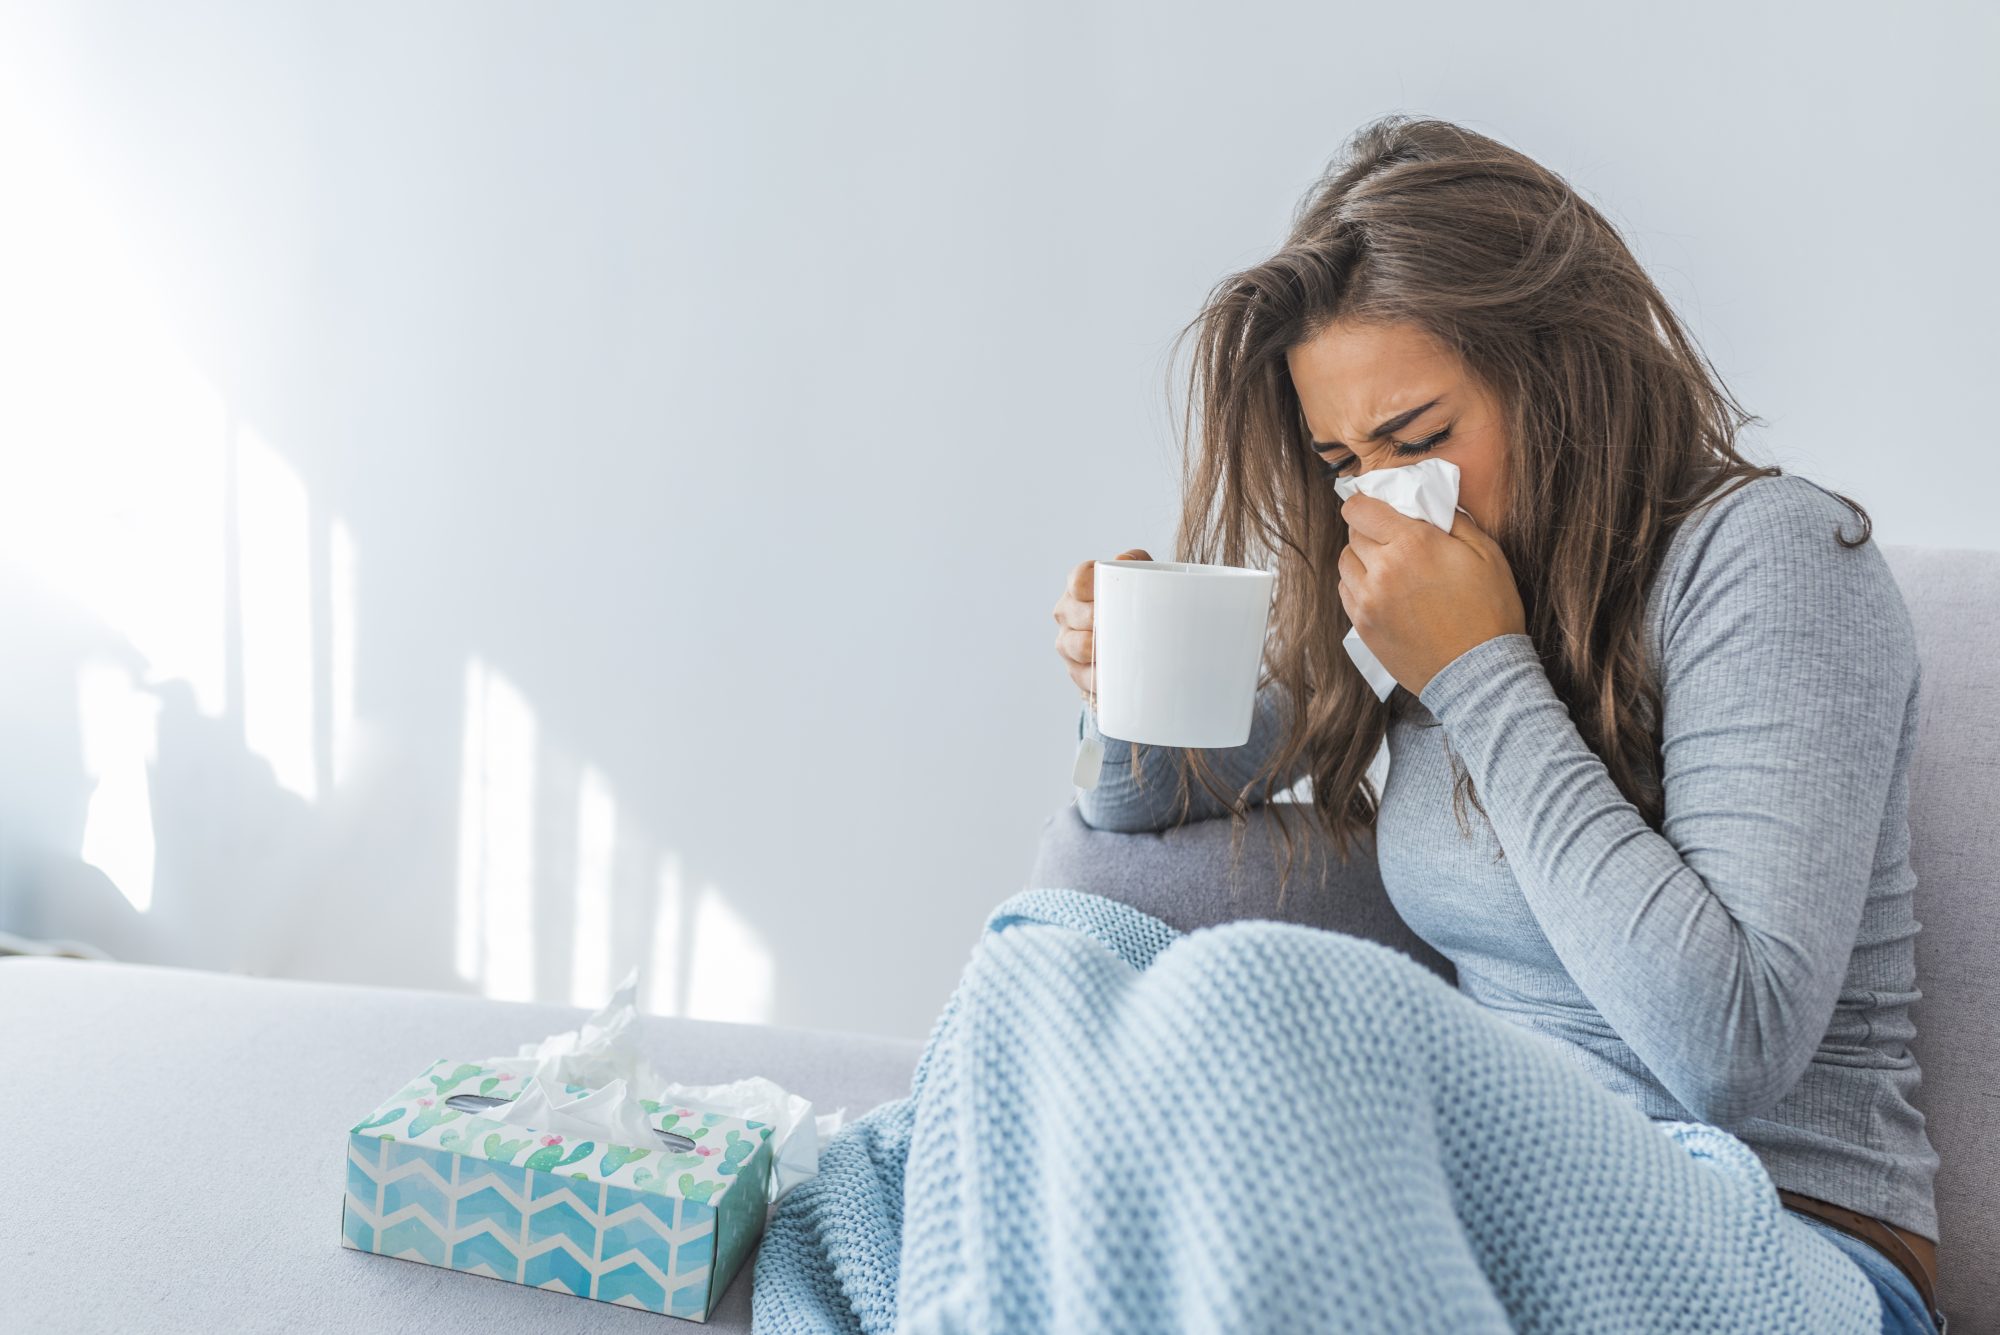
<point>1420,596</point>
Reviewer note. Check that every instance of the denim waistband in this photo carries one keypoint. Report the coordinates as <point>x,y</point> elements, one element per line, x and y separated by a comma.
<point>1903,1311</point>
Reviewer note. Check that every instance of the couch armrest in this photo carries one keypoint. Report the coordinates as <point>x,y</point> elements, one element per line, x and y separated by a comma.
<point>1187,878</point>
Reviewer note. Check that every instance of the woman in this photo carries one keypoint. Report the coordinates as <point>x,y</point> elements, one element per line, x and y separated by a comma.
<point>1677,697</point>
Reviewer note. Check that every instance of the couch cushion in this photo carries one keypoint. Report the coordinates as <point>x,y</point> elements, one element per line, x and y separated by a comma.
<point>1954,602</point>
<point>1188,878</point>
<point>119,1074</point>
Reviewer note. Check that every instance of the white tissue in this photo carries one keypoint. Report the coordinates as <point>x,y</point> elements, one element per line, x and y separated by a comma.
<point>604,1055</point>
<point>1425,490</point>
<point>604,1049</point>
<point>608,1113</point>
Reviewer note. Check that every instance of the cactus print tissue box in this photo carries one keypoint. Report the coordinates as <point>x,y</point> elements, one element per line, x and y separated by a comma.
<point>662,1227</point>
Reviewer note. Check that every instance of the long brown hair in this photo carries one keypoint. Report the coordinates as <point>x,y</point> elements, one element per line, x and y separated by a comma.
<point>1618,427</point>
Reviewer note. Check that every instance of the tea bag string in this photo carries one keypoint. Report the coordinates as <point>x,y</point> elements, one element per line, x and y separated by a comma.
<point>1091,700</point>
<point>1095,641</point>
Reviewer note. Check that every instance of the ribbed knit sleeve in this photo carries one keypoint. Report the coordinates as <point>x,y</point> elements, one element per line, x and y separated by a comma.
<point>1118,802</point>
<point>1716,947</point>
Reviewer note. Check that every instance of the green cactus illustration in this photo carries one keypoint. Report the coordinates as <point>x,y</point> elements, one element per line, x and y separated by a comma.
<point>650,1105</point>
<point>669,1119</point>
<point>463,1073</point>
<point>647,1179</point>
<point>617,1156</point>
<point>427,1118</point>
<point>695,1132</point>
<point>489,1084</point>
<point>464,1138</point>
<point>383,1120</point>
<point>699,1191</point>
<point>710,1119</point>
<point>497,1148</point>
<point>733,1157</point>
<point>550,1157</point>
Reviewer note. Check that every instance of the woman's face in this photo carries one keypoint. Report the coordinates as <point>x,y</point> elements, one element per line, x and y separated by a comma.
<point>1369,391</point>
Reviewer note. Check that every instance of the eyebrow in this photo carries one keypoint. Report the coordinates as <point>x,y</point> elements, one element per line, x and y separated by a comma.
<point>1396,423</point>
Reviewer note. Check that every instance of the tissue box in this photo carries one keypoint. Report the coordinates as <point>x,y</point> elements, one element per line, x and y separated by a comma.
<point>642,1226</point>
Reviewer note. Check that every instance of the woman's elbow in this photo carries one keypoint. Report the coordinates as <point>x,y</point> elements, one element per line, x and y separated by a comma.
<point>1739,1087</point>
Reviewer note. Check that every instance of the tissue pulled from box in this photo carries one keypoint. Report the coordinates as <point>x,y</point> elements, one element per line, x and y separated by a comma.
<point>610,1113</point>
<point>1425,490</point>
<point>604,1057</point>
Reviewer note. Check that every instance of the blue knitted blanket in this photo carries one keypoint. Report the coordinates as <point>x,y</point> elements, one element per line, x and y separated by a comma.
<point>1115,1126</point>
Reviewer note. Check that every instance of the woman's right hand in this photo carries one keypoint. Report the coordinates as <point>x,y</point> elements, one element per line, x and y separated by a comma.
<point>1075,644</point>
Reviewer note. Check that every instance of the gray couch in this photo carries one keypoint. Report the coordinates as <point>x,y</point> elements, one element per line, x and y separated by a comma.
<point>1187,877</point>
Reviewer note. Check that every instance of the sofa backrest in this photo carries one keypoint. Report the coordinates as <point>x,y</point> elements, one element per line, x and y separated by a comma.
<point>1954,601</point>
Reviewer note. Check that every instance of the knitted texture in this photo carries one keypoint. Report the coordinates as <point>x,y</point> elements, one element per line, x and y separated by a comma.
<point>1261,1126</point>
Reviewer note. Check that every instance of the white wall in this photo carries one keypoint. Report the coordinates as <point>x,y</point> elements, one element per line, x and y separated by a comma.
<point>494,493</point>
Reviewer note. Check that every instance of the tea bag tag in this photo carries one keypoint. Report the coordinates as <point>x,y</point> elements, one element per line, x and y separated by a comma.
<point>1089,760</point>
<point>1089,756</point>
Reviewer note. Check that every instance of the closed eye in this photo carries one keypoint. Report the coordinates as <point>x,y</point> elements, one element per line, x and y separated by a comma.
<point>1331,468</point>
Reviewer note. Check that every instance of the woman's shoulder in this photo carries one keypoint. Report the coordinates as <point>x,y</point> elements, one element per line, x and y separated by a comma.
<point>1774,508</point>
<point>1774,544</point>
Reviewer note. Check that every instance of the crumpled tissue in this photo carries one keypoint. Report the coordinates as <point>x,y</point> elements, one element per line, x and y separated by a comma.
<point>1424,490</point>
<point>604,1055</point>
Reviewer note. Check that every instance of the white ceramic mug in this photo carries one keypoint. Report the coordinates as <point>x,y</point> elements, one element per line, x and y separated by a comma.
<point>1178,648</point>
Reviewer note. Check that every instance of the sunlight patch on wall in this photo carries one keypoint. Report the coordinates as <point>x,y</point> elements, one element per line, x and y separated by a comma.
<point>340,647</point>
<point>274,586</point>
<point>120,730</point>
<point>495,929</point>
<point>664,975</point>
<point>111,441</point>
<point>730,974</point>
<point>596,835</point>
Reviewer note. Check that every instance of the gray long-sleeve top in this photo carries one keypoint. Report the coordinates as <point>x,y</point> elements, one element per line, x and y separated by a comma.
<point>1751,965</point>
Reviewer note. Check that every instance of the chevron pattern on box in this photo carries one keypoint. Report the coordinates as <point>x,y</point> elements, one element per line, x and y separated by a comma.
<point>614,1244</point>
